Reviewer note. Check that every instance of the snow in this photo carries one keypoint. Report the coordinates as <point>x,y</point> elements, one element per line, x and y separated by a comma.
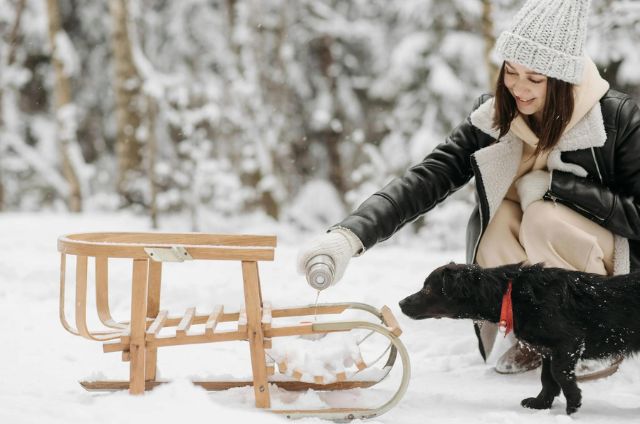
<point>66,54</point>
<point>316,357</point>
<point>304,210</point>
<point>41,363</point>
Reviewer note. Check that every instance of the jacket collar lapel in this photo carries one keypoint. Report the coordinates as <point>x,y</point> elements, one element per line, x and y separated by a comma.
<point>586,133</point>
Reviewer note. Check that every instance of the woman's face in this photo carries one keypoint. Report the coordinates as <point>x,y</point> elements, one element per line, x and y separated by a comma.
<point>527,87</point>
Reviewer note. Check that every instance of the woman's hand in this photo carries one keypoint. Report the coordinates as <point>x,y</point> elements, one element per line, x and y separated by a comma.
<point>339,244</point>
<point>532,187</point>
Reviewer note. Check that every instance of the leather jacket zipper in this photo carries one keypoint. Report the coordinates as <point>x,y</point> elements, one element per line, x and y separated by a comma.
<point>554,198</point>
<point>593,153</point>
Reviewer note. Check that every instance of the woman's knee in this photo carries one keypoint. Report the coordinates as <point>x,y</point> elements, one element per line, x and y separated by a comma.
<point>538,221</point>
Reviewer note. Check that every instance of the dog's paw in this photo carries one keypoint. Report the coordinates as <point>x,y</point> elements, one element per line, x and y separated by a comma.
<point>571,408</point>
<point>536,403</point>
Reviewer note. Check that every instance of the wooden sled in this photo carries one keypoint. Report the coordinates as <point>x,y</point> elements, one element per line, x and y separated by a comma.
<point>139,339</point>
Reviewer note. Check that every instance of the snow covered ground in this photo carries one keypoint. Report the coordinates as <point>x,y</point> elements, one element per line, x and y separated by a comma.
<point>40,363</point>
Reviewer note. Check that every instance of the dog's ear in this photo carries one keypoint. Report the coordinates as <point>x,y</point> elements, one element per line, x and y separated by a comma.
<point>454,284</point>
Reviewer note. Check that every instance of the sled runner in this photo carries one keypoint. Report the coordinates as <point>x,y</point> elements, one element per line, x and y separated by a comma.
<point>140,338</point>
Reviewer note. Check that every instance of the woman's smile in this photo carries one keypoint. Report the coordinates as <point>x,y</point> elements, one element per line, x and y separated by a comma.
<point>524,102</point>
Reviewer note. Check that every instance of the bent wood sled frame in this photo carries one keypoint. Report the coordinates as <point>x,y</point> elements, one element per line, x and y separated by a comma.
<point>139,339</point>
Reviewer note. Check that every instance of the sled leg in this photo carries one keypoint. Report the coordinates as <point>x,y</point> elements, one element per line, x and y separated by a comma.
<point>254,332</point>
<point>138,328</point>
<point>153,308</point>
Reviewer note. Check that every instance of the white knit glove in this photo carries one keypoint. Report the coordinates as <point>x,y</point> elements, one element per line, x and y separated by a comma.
<point>339,244</point>
<point>532,187</point>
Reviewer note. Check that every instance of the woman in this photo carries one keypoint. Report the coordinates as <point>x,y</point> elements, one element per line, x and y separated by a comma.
<point>556,159</point>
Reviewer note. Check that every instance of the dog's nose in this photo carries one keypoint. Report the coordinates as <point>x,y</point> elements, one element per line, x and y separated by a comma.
<point>403,303</point>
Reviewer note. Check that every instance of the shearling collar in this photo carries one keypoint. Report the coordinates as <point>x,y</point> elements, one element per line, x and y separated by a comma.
<point>586,133</point>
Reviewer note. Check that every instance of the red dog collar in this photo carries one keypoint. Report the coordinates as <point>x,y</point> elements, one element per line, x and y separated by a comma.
<point>506,314</point>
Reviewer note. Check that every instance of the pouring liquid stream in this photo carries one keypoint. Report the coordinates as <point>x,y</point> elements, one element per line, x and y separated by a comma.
<point>315,310</point>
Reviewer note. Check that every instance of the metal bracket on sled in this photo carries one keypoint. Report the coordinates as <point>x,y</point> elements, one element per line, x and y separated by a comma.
<point>168,254</point>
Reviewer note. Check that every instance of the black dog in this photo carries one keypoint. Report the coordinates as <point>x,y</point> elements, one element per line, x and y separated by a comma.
<point>566,315</point>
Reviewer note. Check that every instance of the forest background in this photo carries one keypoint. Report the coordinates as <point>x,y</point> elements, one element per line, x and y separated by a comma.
<point>290,110</point>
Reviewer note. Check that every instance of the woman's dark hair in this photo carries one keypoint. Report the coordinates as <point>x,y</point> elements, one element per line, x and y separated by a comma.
<point>556,114</point>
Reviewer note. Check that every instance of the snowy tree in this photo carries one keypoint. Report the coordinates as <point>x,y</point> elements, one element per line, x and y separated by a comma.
<point>129,105</point>
<point>231,107</point>
<point>65,64</point>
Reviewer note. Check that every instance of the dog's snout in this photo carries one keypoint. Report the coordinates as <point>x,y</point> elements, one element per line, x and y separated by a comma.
<point>408,305</point>
<point>402,303</point>
<point>407,302</point>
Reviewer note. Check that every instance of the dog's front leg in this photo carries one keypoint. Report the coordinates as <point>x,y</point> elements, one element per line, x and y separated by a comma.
<point>563,369</point>
<point>550,388</point>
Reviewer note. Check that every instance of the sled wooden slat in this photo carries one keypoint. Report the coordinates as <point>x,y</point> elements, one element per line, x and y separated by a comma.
<point>218,336</point>
<point>213,319</point>
<point>81,296</point>
<point>266,315</point>
<point>202,319</point>
<point>322,411</point>
<point>360,364</point>
<point>160,341</point>
<point>138,252</point>
<point>186,321</point>
<point>102,293</point>
<point>225,385</point>
<point>292,330</point>
<point>157,324</point>
<point>308,310</point>
<point>242,319</point>
<point>173,238</point>
<point>271,366</point>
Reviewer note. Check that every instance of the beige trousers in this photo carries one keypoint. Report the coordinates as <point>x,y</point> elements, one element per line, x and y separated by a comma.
<point>546,232</point>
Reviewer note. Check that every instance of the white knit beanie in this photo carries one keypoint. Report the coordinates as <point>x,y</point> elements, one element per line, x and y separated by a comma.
<point>548,36</point>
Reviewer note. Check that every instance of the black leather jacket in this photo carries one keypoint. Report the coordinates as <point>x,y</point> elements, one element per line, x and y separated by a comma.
<point>606,196</point>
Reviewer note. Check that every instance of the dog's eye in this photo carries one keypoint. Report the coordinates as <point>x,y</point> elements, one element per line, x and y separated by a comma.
<point>426,290</point>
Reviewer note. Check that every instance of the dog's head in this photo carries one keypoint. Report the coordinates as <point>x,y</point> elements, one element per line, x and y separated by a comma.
<point>446,293</point>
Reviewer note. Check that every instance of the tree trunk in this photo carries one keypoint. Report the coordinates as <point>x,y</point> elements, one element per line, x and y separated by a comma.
<point>252,50</point>
<point>13,42</point>
<point>152,152</point>
<point>128,104</point>
<point>332,138</point>
<point>62,93</point>
<point>489,41</point>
